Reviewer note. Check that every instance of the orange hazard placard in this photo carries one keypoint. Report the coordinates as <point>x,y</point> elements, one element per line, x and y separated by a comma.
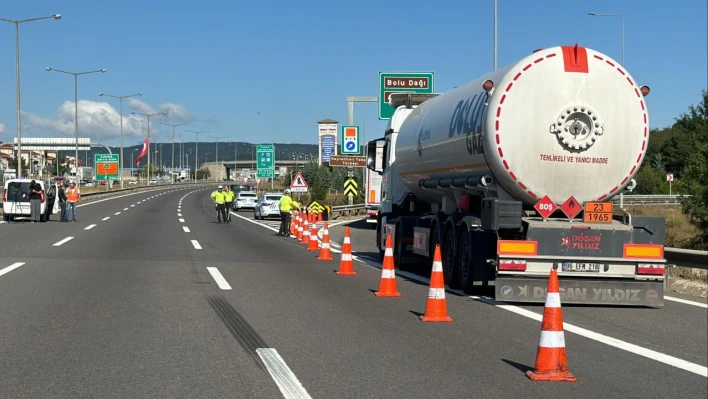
<point>106,169</point>
<point>597,212</point>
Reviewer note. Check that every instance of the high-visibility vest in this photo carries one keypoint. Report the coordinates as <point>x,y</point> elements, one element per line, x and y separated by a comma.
<point>72,195</point>
<point>219,197</point>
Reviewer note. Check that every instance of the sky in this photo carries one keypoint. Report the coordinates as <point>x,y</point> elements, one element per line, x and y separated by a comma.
<point>268,71</point>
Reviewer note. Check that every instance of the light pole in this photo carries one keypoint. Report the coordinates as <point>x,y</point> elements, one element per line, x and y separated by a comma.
<point>121,130</point>
<point>76,109</point>
<point>132,162</point>
<point>17,79</point>
<point>173,139</point>
<point>594,14</point>
<point>148,139</point>
<point>196,150</point>
<point>217,150</point>
<point>495,34</point>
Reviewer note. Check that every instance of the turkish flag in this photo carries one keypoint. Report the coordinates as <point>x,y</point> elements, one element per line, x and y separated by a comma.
<point>143,152</point>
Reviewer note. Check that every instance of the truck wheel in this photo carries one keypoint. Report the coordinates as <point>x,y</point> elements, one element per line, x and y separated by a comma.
<point>464,263</point>
<point>382,252</point>
<point>6,218</point>
<point>448,259</point>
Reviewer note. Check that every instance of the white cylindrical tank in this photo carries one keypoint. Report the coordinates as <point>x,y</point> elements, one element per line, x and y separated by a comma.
<point>564,121</point>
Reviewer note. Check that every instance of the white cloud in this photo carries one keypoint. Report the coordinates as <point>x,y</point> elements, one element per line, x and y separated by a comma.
<point>3,128</point>
<point>100,120</point>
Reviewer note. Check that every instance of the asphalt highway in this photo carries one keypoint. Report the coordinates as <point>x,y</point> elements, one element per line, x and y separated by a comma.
<point>146,296</point>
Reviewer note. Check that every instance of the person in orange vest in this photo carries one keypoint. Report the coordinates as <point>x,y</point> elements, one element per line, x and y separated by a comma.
<point>73,197</point>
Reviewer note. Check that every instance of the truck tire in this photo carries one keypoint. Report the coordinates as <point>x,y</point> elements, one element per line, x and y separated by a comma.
<point>464,262</point>
<point>6,218</point>
<point>448,259</point>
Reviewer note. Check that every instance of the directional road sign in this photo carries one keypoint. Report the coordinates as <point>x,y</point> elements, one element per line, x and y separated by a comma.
<point>265,154</point>
<point>298,185</point>
<point>348,161</point>
<point>350,187</point>
<point>399,82</point>
<point>350,140</point>
<point>106,166</point>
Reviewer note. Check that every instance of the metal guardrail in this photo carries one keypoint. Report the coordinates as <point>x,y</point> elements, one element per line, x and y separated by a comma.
<point>118,191</point>
<point>650,199</point>
<point>347,210</point>
<point>687,258</point>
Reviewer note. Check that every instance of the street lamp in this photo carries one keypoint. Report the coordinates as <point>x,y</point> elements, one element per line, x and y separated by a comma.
<point>121,129</point>
<point>217,149</point>
<point>173,139</point>
<point>148,139</point>
<point>76,109</point>
<point>17,79</point>
<point>594,14</point>
<point>196,150</point>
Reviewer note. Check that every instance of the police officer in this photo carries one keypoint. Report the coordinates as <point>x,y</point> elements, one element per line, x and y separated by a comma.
<point>219,198</point>
<point>287,205</point>
<point>229,202</point>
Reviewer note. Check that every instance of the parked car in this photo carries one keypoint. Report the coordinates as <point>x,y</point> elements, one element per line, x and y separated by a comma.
<point>16,203</point>
<point>133,182</point>
<point>268,205</point>
<point>245,200</point>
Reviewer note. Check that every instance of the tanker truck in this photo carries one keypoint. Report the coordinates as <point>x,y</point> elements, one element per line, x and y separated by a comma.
<point>512,175</point>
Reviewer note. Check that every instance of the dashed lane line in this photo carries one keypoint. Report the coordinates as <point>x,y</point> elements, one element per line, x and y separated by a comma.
<point>220,280</point>
<point>181,220</point>
<point>186,229</point>
<point>11,268</point>
<point>62,242</point>
<point>89,227</point>
<point>117,213</point>
<point>196,245</point>
<point>106,218</point>
<point>284,378</point>
<point>626,346</point>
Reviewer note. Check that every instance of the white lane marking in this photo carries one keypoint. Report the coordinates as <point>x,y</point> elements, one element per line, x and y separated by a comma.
<point>196,245</point>
<point>220,280</point>
<point>692,303</point>
<point>11,268</point>
<point>139,202</point>
<point>106,218</point>
<point>179,214</point>
<point>125,209</point>
<point>181,220</point>
<point>186,229</point>
<point>89,227</point>
<point>117,213</point>
<point>638,350</point>
<point>132,205</point>
<point>286,380</point>
<point>67,239</point>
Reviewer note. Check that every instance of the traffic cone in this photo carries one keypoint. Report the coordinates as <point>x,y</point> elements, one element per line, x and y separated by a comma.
<point>299,227</point>
<point>305,233</point>
<point>293,226</point>
<point>346,266</point>
<point>313,240</point>
<point>319,216</point>
<point>551,364</point>
<point>436,306</point>
<point>325,253</point>
<point>387,285</point>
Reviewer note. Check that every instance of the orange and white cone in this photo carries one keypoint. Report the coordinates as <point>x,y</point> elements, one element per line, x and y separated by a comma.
<point>319,216</point>
<point>436,306</point>
<point>314,242</point>
<point>325,253</point>
<point>293,226</point>
<point>551,363</point>
<point>299,227</point>
<point>387,285</point>
<point>305,233</point>
<point>346,265</point>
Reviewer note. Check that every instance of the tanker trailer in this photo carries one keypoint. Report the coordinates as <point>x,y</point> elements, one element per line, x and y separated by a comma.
<point>513,174</point>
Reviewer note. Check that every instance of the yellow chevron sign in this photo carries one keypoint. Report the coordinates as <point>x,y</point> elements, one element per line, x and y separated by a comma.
<point>315,206</point>
<point>350,187</point>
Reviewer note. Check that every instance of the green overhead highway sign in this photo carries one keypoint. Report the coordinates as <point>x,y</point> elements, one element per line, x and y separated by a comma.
<point>265,155</point>
<point>402,82</point>
<point>106,166</point>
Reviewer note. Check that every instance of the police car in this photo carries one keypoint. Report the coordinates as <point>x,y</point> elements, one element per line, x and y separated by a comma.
<point>268,205</point>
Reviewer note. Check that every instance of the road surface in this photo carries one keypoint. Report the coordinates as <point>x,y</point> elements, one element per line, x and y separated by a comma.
<point>147,296</point>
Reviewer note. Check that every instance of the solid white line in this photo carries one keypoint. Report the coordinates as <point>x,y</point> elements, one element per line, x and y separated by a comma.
<point>692,303</point>
<point>89,227</point>
<point>286,380</point>
<point>186,229</point>
<point>106,218</point>
<point>638,350</point>
<point>67,239</point>
<point>117,213</point>
<point>181,220</point>
<point>196,245</point>
<point>220,280</point>
<point>11,268</point>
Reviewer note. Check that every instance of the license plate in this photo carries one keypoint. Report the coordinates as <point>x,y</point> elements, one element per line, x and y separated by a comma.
<point>581,267</point>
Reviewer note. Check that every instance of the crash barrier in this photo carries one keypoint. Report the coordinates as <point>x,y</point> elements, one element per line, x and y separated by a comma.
<point>551,362</point>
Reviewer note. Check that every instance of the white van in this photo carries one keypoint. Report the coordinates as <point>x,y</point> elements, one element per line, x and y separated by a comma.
<point>16,203</point>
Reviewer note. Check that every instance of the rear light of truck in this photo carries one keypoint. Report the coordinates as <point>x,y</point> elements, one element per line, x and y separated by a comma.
<point>643,251</point>
<point>512,265</point>
<point>652,269</point>
<point>517,247</point>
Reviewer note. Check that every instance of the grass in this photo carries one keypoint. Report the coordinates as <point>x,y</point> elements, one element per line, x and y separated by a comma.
<point>680,232</point>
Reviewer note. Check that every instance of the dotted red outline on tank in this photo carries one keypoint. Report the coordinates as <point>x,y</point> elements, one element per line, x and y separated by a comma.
<point>511,85</point>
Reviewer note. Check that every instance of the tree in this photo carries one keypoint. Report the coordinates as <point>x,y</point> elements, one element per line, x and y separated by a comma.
<point>321,182</point>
